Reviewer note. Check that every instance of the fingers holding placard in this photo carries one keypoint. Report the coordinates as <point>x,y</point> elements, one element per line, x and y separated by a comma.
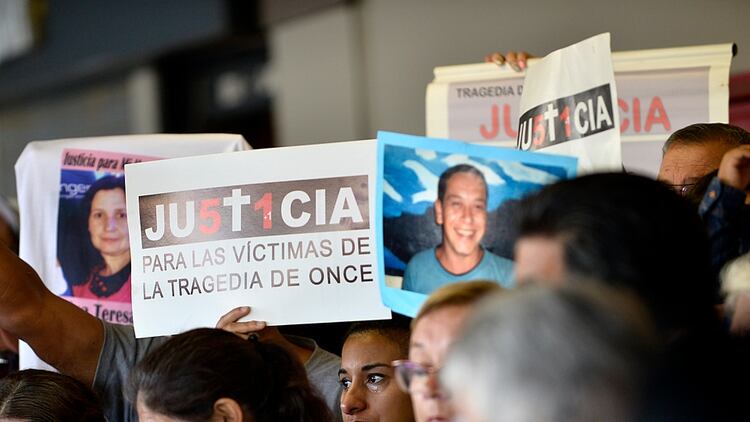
<point>517,60</point>
<point>231,322</point>
<point>735,168</point>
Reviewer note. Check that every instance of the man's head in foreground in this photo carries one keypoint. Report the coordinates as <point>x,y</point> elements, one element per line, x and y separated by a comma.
<point>626,230</point>
<point>579,353</point>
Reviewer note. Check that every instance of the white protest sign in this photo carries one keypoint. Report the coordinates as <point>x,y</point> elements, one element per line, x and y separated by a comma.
<point>287,231</point>
<point>659,91</point>
<point>568,106</point>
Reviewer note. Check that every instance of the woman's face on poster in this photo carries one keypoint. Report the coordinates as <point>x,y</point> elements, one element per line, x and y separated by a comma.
<point>108,224</point>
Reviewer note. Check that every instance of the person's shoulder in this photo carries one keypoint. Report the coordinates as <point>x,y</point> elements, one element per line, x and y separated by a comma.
<point>120,353</point>
<point>423,257</point>
<point>322,368</point>
<point>320,357</point>
<point>422,270</point>
<point>502,268</point>
<point>120,342</point>
<point>418,263</point>
<point>117,332</point>
<point>324,359</point>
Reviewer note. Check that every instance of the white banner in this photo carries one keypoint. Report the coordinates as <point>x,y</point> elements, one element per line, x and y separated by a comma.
<point>659,91</point>
<point>287,231</point>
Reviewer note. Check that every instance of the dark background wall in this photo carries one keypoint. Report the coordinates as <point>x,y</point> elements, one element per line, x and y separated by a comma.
<point>107,67</point>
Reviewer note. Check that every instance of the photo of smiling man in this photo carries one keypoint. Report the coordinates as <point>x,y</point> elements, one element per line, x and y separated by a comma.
<point>461,211</point>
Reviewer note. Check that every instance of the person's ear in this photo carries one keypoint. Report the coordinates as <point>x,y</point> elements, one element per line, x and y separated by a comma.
<point>227,410</point>
<point>438,212</point>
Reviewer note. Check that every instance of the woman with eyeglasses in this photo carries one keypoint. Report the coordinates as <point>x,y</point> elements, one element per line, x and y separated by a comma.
<point>435,328</point>
<point>369,390</point>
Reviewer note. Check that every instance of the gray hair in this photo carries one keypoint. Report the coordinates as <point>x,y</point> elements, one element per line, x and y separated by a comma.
<point>570,354</point>
<point>704,133</point>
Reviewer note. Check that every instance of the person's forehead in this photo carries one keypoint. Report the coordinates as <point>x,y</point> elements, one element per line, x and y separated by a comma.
<point>707,153</point>
<point>368,347</point>
<point>683,162</point>
<point>109,194</point>
<point>462,182</point>
<point>439,327</point>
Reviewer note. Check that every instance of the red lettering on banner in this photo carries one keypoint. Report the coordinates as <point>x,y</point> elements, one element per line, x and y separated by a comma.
<point>490,134</point>
<point>565,117</point>
<point>630,119</point>
<point>205,214</point>
<point>657,114</point>
<point>637,115</point>
<point>540,132</point>
<point>508,125</point>
<point>265,203</point>
<point>624,122</point>
<point>486,134</point>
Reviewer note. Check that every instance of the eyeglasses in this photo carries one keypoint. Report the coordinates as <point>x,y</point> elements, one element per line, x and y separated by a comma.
<point>683,189</point>
<point>412,377</point>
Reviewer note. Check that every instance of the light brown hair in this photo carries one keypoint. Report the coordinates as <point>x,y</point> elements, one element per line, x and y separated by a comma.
<point>456,294</point>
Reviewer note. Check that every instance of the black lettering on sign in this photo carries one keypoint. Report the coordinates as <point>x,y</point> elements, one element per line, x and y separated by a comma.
<point>484,91</point>
<point>265,209</point>
<point>565,119</point>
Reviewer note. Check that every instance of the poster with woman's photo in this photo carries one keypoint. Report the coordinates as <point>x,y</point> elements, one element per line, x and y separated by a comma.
<point>447,211</point>
<point>93,247</point>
